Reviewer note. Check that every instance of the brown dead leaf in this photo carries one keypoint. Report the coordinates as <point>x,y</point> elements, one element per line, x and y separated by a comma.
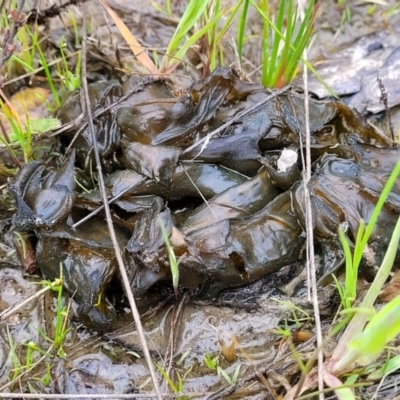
<point>134,45</point>
<point>27,103</point>
<point>392,289</point>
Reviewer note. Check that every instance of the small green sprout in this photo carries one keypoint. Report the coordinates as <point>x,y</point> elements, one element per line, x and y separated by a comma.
<point>172,258</point>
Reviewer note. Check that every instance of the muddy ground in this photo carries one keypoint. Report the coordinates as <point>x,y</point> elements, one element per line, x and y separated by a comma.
<point>240,324</point>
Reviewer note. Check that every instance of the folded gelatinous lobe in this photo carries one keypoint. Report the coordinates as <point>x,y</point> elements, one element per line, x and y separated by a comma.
<point>147,112</point>
<point>88,261</point>
<point>200,105</point>
<point>107,133</point>
<point>341,192</point>
<point>188,181</point>
<point>42,202</point>
<point>269,239</point>
<point>237,147</point>
<point>238,201</point>
<point>237,251</point>
<point>155,162</point>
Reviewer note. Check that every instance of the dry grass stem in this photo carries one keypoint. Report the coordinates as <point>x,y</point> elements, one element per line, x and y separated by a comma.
<point>309,223</point>
<point>113,237</point>
<point>5,314</point>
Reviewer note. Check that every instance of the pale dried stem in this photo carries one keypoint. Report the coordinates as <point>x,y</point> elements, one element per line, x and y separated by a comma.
<point>309,224</point>
<point>5,314</point>
<point>113,237</point>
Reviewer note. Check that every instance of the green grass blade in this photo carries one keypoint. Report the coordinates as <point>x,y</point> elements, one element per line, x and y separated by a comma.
<point>241,28</point>
<point>277,39</point>
<point>167,378</point>
<point>305,62</point>
<point>349,269</point>
<point>194,38</point>
<point>382,199</point>
<point>387,317</point>
<point>281,65</point>
<point>213,39</point>
<point>300,42</point>
<point>229,21</point>
<point>193,12</point>
<point>265,48</point>
<point>382,328</point>
<point>28,67</point>
<point>172,258</point>
<point>43,62</point>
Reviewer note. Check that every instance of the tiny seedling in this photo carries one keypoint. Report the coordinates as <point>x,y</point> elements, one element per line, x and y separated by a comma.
<point>70,80</point>
<point>211,362</point>
<point>295,312</point>
<point>172,258</point>
<point>183,356</point>
<point>15,361</point>
<point>230,379</point>
<point>62,313</point>
<point>285,332</point>
<point>47,376</point>
<point>177,387</point>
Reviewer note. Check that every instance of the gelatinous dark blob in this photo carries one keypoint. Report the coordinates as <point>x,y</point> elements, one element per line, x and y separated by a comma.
<point>238,251</point>
<point>107,133</point>
<point>155,162</point>
<point>237,201</point>
<point>195,109</point>
<point>147,112</point>
<point>209,144</point>
<point>190,180</point>
<point>42,202</point>
<point>346,191</point>
<point>88,263</point>
<point>237,146</point>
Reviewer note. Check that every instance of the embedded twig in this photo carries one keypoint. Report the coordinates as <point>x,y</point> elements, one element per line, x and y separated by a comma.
<point>310,227</point>
<point>204,141</point>
<point>384,100</point>
<point>113,237</point>
<point>5,314</point>
<point>98,209</point>
<point>201,194</point>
